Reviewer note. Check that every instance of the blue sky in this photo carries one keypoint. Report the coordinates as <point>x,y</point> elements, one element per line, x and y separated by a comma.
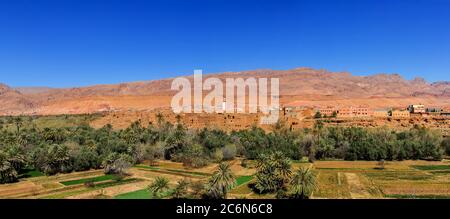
<point>79,42</point>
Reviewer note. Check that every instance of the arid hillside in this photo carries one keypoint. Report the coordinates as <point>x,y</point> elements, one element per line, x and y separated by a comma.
<point>300,86</point>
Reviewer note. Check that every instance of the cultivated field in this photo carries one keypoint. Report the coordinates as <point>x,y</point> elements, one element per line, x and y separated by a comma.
<point>336,179</point>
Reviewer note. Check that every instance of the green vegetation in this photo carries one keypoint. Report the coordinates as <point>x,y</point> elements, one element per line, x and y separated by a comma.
<point>431,167</point>
<point>303,183</point>
<point>175,172</point>
<point>139,194</point>
<point>187,172</point>
<point>221,182</point>
<point>12,123</point>
<point>397,175</point>
<point>273,172</point>
<point>274,175</point>
<point>158,187</point>
<point>71,145</point>
<point>181,189</point>
<point>243,179</point>
<point>93,179</point>
<point>28,173</point>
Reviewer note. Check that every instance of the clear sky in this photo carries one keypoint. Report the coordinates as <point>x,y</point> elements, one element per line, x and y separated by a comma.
<point>65,43</point>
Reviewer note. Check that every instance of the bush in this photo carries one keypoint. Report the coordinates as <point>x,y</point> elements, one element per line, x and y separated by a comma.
<point>197,189</point>
<point>244,163</point>
<point>154,152</point>
<point>229,151</point>
<point>89,183</point>
<point>317,115</point>
<point>117,163</point>
<point>7,172</point>
<point>195,162</point>
<point>446,145</point>
<point>217,156</point>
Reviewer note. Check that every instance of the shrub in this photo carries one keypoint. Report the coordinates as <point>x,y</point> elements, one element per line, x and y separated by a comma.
<point>244,163</point>
<point>446,145</point>
<point>217,156</point>
<point>197,189</point>
<point>7,172</point>
<point>317,115</point>
<point>117,163</point>
<point>89,183</point>
<point>229,151</point>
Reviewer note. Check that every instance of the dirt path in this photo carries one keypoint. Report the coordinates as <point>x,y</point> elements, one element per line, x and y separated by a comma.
<point>357,189</point>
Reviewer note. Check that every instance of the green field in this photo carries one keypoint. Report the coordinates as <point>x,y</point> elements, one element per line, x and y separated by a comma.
<point>243,179</point>
<point>93,179</point>
<point>335,179</point>
<point>31,173</point>
<point>172,171</point>
<point>431,167</point>
<point>141,194</point>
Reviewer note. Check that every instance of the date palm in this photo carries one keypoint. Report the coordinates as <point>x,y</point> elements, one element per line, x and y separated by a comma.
<point>273,172</point>
<point>16,157</point>
<point>18,121</point>
<point>303,183</point>
<point>181,189</point>
<point>178,118</point>
<point>221,182</point>
<point>160,185</point>
<point>159,118</point>
<point>7,172</point>
<point>283,164</point>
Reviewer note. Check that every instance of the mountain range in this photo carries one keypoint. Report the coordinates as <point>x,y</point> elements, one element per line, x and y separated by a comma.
<point>298,87</point>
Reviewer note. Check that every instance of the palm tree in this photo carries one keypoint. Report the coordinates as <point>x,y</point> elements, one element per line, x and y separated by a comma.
<point>7,172</point>
<point>283,164</point>
<point>159,118</point>
<point>17,157</point>
<point>181,189</point>
<point>18,121</point>
<point>303,183</point>
<point>273,172</point>
<point>178,118</point>
<point>197,188</point>
<point>221,181</point>
<point>160,185</point>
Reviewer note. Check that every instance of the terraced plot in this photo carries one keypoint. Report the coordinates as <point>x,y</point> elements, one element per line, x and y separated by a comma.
<point>336,179</point>
<point>88,189</point>
<point>93,180</point>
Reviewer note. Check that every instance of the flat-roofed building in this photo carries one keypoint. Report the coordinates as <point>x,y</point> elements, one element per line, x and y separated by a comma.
<point>361,111</point>
<point>419,108</point>
<point>328,111</point>
<point>380,113</point>
<point>400,114</point>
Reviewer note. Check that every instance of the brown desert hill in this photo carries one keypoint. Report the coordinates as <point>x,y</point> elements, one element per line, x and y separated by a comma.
<point>32,90</point>
<point>300,86</point>
<point>12,101</point>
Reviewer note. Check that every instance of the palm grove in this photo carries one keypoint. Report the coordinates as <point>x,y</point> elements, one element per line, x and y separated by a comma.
<point>63,150</point>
